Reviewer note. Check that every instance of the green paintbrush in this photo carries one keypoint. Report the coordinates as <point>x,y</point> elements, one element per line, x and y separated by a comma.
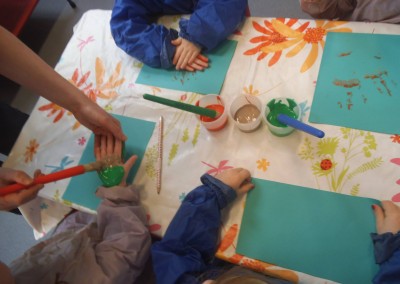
<point>187,107</point>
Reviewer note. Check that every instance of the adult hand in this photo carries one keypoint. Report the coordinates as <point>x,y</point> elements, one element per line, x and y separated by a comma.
<point>387,217</point>
<point>186,54</point>
<point>98,120</point>
<point>13,200</point>
<point>110,150</point>
<point>239,179</point>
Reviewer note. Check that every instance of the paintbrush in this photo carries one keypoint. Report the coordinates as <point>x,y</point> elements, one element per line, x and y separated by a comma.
<point>183,106</point>
<point>66,173</point>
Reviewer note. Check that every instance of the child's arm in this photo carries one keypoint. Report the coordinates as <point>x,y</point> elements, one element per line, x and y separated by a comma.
<point>125,241</point>
<point>328,9</point>
<point>191,239</point>
<point>212,22</point>
<point>387,242</point>
<point>134,31</point>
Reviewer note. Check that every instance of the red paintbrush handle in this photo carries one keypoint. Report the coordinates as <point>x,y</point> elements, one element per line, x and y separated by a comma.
<point>74,171</point>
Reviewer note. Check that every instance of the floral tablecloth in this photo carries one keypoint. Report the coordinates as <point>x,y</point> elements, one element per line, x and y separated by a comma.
<point>361,163</point>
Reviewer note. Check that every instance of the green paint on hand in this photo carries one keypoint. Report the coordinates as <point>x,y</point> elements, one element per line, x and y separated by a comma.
<point>280,108</point>
<point>111,176</point>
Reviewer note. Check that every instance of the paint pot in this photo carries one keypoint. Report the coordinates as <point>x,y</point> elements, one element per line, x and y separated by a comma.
<point>280,106</point>
<point>246,111</point>
<point>216,103</point>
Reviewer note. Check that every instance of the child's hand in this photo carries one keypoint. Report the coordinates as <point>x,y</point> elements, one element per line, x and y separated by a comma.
<point>13,200</point>
<point>109,150</point>
<point>239,179</point>
<point>387,217</point>
<point>199,64</point>
<point>187,56</point>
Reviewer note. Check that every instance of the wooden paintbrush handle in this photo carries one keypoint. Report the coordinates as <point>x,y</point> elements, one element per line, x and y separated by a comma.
<point>74,171</point>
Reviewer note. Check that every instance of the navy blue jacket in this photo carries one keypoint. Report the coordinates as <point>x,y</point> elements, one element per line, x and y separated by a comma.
<point>134,27</point>
<point>190,242</point>
<point>387,255</point>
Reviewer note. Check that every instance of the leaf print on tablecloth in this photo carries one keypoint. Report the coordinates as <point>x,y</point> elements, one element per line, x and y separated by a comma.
<point>31,150</point>
<point>228,238</point>
<point>338,167</point>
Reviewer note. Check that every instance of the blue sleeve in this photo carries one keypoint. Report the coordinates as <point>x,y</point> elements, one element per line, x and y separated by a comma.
<point>387,255</point>
<point>191,239</point>
<point>212,21</point>
<point>134,30</point>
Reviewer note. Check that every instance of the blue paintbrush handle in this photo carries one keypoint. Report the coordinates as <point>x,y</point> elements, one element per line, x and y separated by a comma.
<point>282,118</point>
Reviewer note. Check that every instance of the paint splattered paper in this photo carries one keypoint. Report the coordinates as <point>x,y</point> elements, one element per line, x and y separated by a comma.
<point>208,81</point>
<point>358,84</point>
<point>81,189</point>
<point>317,232</point>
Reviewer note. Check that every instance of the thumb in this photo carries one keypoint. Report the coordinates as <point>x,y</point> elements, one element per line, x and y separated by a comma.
<point>177,41</point>
<point>129,164</point>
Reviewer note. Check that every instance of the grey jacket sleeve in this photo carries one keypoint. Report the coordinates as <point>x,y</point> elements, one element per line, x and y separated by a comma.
<point>328,9</point>
<point>125,245</point>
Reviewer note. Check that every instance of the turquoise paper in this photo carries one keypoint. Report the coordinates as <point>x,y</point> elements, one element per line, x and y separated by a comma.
<point>81,189</point>
<point>208,81</point>
<point>320,233</point>
<point>348,93</point>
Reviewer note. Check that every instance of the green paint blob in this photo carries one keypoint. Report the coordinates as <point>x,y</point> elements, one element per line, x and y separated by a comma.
<point>111,176</point>
<point>277,107</point>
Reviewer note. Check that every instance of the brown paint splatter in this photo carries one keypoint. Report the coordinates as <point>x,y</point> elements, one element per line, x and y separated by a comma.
<point>347,83</point>
<point>379,76</point>
<point>343,54</point>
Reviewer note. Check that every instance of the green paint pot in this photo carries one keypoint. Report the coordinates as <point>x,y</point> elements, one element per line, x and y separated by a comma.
<point>111,176</point>
<point>280,106</point>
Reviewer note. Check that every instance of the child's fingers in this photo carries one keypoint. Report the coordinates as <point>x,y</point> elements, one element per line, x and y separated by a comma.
<point>379,215</point>
<point>118,148</point>
<point>201,63</point>
<point>189,68</point>
<point>177,41</point>
<point>193,56</point>
<point>202,58</point>
<point>195,66</point>
<point>246,187</point>
<point>177,55</point>
<point>183,60</point>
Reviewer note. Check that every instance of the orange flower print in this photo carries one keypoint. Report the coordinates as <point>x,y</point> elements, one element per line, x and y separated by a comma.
<point>54,110</point>
<point>395,138</point>
<point>31,150</point>
<point>270,36</point>
<point>262,164</point>
<point>312,36</point>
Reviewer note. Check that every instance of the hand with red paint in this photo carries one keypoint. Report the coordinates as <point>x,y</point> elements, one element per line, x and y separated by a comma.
<point>110,150</point>
<point>187,56</point>
<point>239,179</point>
<point>13,200</point>
<point>387,217</point>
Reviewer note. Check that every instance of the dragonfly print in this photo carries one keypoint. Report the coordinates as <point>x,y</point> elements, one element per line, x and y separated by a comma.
<point>64,162</point>
<point>218,169</point>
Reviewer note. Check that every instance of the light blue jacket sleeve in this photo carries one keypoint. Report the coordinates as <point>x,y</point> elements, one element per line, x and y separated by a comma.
<point>387,255</point>
<point>191,239</point>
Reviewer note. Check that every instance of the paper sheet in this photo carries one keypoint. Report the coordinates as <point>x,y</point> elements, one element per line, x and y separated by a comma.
<point>208,81</point>
<point>81,189</point>
<point>357,84</point>
<point>312,231</point>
